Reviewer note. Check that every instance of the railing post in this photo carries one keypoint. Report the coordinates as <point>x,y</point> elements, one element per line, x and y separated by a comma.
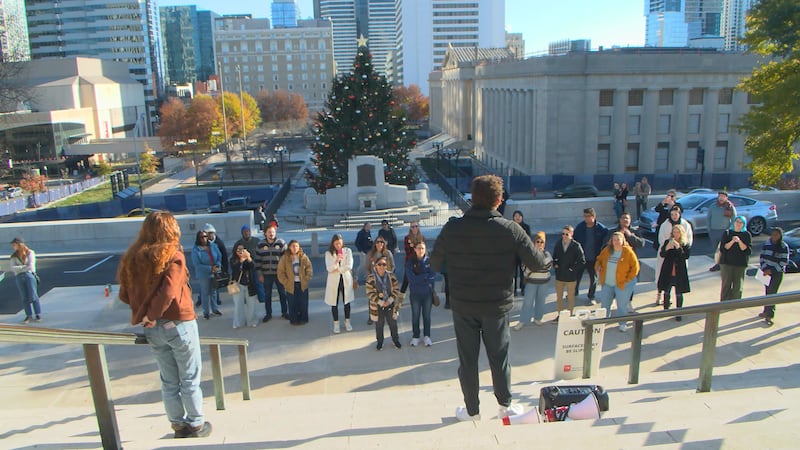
<point>588,343</point>
<point>709,347</point>
<point>97,370</point>
<point>244,374</point>
<point>216,370</point>
<point>636,352</point>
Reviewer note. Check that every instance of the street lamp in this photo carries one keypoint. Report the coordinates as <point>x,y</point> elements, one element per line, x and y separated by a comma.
<point>270,162</point>
<point>224,118</point>
<point>438,146</point>
<point>138,162</point>
<point>241,101</point>
<point>279,149</point>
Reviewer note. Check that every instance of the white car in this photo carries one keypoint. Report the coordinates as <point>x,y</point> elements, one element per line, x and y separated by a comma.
<point>14,192</point>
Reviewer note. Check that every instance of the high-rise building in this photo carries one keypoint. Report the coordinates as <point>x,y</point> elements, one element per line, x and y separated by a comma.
<point>515,44</point>
<point>427,28</point>
<point>14,44</point>
<point>733,22</point>
<point>126,30</point>
<point>342,15</point>
<point>381,32</point>
<point>298,60</point>
<point>181,38</point>
<point>205,25</point>
<point>284,14</point>
<point>565,46</point>
<point>682,23</point>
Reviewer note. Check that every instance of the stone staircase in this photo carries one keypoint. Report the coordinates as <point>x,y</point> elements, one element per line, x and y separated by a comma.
<point>397,217</point>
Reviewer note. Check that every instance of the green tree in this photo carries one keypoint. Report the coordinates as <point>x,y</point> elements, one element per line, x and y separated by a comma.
<point>359,120</point>
<point>103,168</point>
<point>773,127</point>
<point>148,164</point>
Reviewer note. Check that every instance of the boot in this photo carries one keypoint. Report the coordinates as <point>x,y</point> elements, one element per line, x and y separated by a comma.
<point>336,329</point>
<point>347,325</point>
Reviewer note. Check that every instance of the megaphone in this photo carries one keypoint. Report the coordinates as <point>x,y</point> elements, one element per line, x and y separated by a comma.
<point>587,408</point>
<point>531,416</point>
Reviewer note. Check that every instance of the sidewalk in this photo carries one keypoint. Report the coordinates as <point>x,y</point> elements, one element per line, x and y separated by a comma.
<point>312,389</point>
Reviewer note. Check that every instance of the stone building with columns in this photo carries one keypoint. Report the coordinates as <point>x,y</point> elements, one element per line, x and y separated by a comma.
<point>593,117</point>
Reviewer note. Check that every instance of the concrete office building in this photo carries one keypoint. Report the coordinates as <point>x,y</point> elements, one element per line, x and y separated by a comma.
<point>126,30</point>
<point>298,60</point>
<point>74,100</point>
<point>342,15</point>
<point>516,44</point>
<point>565,46</point>
<point>628,112</point>
<point>14,44</point>
<point>427,28</point>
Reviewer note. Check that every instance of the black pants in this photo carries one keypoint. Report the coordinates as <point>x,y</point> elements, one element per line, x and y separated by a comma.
<point>772,288</point>
<point>493,329</point>
<point>340,295</point>
<point>269,280</point>
<point>519,278</point>
<point>385,315</point>
<point>446,291</point>
<point>678,296</point>
<point>589,269</point>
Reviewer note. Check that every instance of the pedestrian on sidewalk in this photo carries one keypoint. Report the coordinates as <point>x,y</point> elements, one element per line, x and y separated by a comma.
<point>735,249</point>
<point>379,249</point>
<point>641,198</point>
<point>519,275</point>
<point>213,239</point>
<point>616,268</point>
<point>568,261</point>
<point>364,244</point>
<point>411,240</point>
<point>294,273</point>
<point>154,282</point>
<point>538,286</point>
<point>206,262</point>
<point>674,272</point>
<point>480,250</point>
<point>420,291</point>
<point>339,284</point>
<point>243,272</point>
<point>590,234</point>
<point>773,261</point>
<point>23,266</point>
<point>719,218</point>
<point>384,301</point>
<point>387,233</point>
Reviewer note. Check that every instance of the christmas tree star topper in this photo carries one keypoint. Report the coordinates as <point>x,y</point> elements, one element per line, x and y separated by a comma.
<point>362,41</point>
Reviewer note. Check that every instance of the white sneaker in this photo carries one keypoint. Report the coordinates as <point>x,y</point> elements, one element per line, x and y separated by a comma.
<point>518,326</point>
<point>347,325</point>
<point>538,322</point>
<point>463,415</point>
<point>513,409</point>
<point>427,341</point>
<point>623,327</point>
<point>414,342</point>
<point>336,329</point>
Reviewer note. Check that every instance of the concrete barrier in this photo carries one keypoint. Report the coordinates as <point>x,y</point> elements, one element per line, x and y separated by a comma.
<point>115,235</point>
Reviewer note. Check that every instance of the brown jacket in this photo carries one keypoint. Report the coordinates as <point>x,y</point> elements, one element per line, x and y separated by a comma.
<point>372,294</point>
<point>286,273</point>
<point>171,299</point>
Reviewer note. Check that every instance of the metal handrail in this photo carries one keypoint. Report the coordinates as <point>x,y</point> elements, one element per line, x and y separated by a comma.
<point>97,368</point>
<point>712,312</point>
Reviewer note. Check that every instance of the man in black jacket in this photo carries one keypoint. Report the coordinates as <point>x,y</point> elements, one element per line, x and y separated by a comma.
<point>568,261</point>
<point>364,245</point>
<point>590,234</point>
<point>480,250</point>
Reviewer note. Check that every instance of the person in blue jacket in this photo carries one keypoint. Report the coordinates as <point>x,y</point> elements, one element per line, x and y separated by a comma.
<point>420,288</point>
<point>206,260</point>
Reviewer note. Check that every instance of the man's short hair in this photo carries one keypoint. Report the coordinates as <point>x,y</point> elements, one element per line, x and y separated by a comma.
<point>589,211</point>
<point>487,191</point>
<point>725,193</point>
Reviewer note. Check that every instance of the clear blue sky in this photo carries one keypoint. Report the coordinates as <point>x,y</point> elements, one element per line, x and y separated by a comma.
<point>605,22</point>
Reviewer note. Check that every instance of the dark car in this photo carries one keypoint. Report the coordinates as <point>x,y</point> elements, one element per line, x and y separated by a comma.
<point>577,191</point>
<point>792,239</point>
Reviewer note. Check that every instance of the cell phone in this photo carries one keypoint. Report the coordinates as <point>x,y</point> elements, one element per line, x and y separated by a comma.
<point>340,251</point>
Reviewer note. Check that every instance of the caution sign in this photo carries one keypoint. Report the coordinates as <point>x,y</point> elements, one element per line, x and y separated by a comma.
<point>569,343</point>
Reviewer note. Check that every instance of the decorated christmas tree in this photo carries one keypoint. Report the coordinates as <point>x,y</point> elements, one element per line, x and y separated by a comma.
<point>359,120</point>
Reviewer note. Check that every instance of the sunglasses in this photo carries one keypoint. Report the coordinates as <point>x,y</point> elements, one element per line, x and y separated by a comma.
<point>565,234</point>
<point>414,226</point>
<point>539,241</point>
<point>203,235</point>
<point>381,264</point>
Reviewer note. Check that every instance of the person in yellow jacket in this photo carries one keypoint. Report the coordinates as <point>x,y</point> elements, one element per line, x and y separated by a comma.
<point>294,273</point>
<point>616,268</point>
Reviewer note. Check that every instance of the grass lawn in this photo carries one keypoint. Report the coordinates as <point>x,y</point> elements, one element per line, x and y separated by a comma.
<point>97,194</point>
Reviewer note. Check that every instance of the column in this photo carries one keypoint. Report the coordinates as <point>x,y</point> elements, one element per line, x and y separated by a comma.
<point>619,132</point>
<point>709,128</point>
<point>649,131</point>
<point>677,148</point>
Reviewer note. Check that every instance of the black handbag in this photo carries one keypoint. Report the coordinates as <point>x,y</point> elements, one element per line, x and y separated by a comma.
<point>221,280</point>
<point>564,395</point>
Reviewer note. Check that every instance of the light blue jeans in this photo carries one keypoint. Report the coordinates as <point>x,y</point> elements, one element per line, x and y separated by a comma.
<point>533,302</point>
<point>609,293</point>
<point>28,290</point>
<point>207,288</point>
<point>177,352</point>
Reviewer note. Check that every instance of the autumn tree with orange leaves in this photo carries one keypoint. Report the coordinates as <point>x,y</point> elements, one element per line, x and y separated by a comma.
<point>281,106</point>
<point>411,101</point>
<point>173,123</point>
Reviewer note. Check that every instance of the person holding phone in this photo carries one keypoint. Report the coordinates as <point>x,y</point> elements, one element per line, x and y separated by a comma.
<point>339,284</point>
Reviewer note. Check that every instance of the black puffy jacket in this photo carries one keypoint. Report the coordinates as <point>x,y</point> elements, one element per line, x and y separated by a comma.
<point>480,250</point>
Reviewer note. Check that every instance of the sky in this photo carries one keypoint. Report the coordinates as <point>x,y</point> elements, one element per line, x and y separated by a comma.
<point>605,22</point>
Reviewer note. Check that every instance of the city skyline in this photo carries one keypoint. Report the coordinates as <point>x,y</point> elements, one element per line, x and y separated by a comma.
<point>608,23</point>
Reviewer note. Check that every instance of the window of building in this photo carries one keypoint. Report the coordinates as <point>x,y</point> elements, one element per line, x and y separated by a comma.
<point>274,67</point>
<point>303,45</point>
<point>662,157</point>
<point>321,44</point>
<point>224,47</point>
<point>261,78</point>
<point>664,123</point>
<point>636,97</point>
<point>275,77</point>
<point>753,99</point>
<point>632,157</point>
<point>290,77</point>
<point>274,58</point>
<point>243,47</point>
<point>634,123</point>
<point>274,87</point>
<point>304,76</point>
<point>290,87</point>
<point>696,96</point>
<point>694,124</point>
<point>245,69</point>
<point>260,67</point>
<point>287,45</point>
<point>604,126</point>
<point>607,97</point>
<point>721,155</point>
<point>289,67</point>
<point>691,155</point>
<point>246,78</point>
<point>666,97</point>
<point>323,76</point>
<point>288,58</point>
<point>259,47</point>
<point>303,67</point>
<point>723,123</point>
<point>603,157</point>
<point>322,66</point>
<point>259,58</point>
<point>726,96</point>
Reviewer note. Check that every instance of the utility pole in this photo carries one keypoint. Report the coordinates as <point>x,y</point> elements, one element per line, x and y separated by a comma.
<point>241,100</point>
<point>138,163</point>
<point>224,118</point>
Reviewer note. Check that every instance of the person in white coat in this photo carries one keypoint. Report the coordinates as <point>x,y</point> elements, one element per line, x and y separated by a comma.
<point>665,233</point>
<point>339,264</point>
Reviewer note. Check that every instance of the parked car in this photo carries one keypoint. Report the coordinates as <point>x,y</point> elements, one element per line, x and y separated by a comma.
<point>137,212</point>
<point>760,214</point>
<point>13,192</point>
<point>236,204</point>
<point>792,239</point>
<point>576,191</point>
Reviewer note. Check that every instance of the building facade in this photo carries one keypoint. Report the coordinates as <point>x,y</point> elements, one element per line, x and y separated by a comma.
<point>298,60</point>
<point>127,31</point>
<point>14,44</point>
<point>626,112</point>
<point>205,23</point>
<point>682,23</point>
<point>342,15</point>
<point>181,38</point>
<point>284,14</point>
<point>516,44</point>
<point>565,46</point>
<point>733,23</point>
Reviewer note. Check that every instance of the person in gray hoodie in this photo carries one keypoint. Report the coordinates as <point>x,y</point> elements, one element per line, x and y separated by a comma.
<point>720,216</point>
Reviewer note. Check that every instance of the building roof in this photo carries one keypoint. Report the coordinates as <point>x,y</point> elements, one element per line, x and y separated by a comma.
<point>459,56</point>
